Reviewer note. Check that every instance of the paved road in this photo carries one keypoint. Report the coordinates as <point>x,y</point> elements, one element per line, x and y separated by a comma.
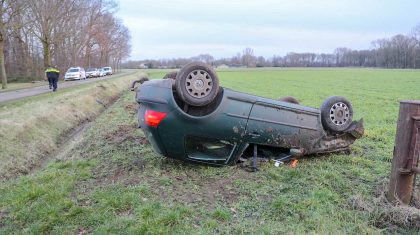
<point>17,94</point>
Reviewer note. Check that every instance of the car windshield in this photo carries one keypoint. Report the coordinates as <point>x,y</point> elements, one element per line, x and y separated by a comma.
<point>73,70</point>
<point>105,69</point>
<point>91,69</point>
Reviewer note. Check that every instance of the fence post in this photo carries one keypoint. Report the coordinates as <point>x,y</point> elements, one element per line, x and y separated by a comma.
<point>406,152</point>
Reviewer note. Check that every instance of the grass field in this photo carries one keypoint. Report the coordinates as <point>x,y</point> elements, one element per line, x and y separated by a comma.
<point>113,182</point>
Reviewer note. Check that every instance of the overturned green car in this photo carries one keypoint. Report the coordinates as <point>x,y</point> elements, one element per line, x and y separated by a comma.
<point>188,116</point>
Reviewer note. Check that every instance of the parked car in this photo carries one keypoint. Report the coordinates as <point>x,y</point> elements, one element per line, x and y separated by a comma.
<point>189,117</point>
<point>75,73</point>
<point>92,72</point>
<point>101,72</point>
<point>108,70</point>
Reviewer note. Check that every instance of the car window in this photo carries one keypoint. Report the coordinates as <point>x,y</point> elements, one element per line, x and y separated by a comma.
<point>202,148</point>
<point>73,70</point>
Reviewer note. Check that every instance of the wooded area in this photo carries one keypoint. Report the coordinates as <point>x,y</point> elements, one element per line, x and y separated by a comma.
<point>399,51</point>
<point>64,33</point>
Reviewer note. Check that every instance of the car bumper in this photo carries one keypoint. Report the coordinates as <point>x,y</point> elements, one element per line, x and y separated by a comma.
<point>71,78</point>
<point>151,133</point>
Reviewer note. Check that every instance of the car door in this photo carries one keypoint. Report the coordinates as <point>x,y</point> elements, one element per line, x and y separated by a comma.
<point>281,124</point>
<point>213,138</point>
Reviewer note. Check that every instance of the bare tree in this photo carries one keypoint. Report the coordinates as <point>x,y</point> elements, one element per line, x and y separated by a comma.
<point>97,9</point>
<point>415,35</point>
<point>206,58</point>
<point>8,10</point>
<point>113,42</point>
<point>4,7</point>
<point>248,58</point>
<point>50,21</point>
<point>66,32</point>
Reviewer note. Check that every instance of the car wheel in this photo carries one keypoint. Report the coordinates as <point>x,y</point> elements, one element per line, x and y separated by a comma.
<point>336,114</point>
<point>197,84</point>
<point>171,75</point>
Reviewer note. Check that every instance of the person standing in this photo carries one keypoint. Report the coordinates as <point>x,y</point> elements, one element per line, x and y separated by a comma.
<point>52,74</point>
<point>48,77</point>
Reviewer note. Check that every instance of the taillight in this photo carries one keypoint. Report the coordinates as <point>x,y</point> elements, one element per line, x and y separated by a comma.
<point>153,118</point>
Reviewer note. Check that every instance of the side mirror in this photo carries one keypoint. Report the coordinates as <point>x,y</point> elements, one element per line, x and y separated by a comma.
<point>141,81</point>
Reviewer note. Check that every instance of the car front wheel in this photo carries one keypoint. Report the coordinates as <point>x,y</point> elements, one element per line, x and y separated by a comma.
<point>197,84</point>
<point>336,114</point>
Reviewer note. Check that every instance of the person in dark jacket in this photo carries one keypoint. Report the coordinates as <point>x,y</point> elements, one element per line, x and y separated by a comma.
<point>52,74</point>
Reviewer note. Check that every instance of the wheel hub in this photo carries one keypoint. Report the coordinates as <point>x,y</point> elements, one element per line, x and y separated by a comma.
<point>339,114</point>
<point>198,84</point>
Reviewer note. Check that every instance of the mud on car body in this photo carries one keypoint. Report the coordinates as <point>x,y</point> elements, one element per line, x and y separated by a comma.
<point>188,116</point>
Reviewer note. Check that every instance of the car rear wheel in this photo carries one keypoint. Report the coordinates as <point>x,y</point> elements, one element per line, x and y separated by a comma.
<point>171,75</point>
<point>197,84</point>
<point>336,114</point>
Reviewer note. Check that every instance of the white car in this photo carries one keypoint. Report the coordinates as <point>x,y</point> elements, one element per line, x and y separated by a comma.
<point>75,73</point>
<point>108,70</point>
<point>101,72</point>
<point>92,72</point>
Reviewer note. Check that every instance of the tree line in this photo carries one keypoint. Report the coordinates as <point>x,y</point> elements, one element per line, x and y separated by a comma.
<point>399,51</point>
<point>35,34</point>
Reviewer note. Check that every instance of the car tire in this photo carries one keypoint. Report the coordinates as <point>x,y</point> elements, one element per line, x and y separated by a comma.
<point>336,114</point>
<point>171,75</point>
<point>197,84</point>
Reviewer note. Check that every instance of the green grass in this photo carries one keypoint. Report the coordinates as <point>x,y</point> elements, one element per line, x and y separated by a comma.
<point>31,128</point>
<point>113,182</point>
<point>23,85</point>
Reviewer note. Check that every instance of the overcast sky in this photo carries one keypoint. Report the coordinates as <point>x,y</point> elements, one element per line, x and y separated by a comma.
<point>185,28</point>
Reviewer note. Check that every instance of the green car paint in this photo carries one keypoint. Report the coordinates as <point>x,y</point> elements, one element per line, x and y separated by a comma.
<point>237,120</point>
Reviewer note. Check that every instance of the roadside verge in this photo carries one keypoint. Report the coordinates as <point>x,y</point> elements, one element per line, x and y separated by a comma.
<point>32,128</point>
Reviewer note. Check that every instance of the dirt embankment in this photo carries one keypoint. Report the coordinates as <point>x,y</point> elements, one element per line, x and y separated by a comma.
<point>33,128</point>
